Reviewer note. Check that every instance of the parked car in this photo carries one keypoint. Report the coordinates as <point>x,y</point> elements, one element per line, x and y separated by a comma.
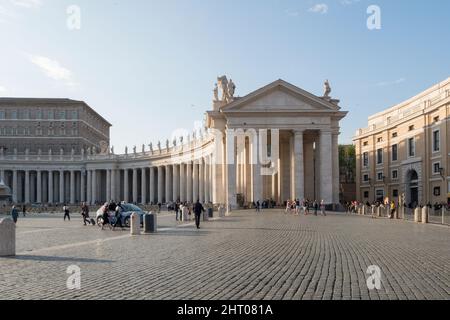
<point>127,210</point>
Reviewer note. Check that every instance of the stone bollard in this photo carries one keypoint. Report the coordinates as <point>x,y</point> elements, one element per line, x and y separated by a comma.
<point>396,213</point>
<point>7,238</point>
<point>378,211</point>
<point>150,223</point>
<point>425,214</point>
<point>135,229</point>
<point>417,215</point>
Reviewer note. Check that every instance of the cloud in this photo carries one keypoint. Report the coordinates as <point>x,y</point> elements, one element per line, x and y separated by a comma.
<point>349,2</point>
<point>390,83</point>
<point>53,69</point>
<point>292,13</point>
<point>321,8</point>
<point>27,3</point>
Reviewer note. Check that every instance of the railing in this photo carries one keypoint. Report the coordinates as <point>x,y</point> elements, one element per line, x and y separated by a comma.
<point>439,216</point>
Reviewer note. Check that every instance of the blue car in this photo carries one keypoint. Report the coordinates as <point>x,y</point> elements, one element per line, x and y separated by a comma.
<point>127,210</point>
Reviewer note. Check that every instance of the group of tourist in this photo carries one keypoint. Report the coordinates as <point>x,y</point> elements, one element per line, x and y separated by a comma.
<point>183,211</point>
<point>296,207</point>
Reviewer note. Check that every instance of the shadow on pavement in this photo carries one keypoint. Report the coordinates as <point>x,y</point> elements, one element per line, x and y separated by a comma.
<point>57,259</point>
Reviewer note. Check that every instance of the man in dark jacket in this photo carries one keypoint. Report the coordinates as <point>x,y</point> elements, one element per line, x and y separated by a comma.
<point>198,209</point>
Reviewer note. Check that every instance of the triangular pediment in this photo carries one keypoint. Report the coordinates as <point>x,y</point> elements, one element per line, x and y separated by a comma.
<point>279,96</point>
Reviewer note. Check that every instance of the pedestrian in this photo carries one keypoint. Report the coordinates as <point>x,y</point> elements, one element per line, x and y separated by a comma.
<point>322,208</point>
<point>177,208</point>
<point>198,209</point>
<point>185,212</point>
<point>316,207</point>
<point>14,214</point>
<point>288,207</point>
<point>258,206</point>
<point>85,213</point>
<point>118,214</point>
<point>306,207</point>
<point>392,209</point>
<point>105,216</point>
<point>24,210</point>
<point>159,207</point>
<point>66,212</point>
<point>297,207</point>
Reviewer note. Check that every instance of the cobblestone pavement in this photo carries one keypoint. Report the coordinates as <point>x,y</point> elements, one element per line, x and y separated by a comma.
<point>245,256</point>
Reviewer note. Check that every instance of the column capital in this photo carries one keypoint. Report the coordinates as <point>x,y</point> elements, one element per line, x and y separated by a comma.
<point>298,131</point>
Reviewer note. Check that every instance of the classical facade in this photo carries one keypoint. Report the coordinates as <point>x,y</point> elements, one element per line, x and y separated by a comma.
<point>405,150</point>
<point>279,142</point>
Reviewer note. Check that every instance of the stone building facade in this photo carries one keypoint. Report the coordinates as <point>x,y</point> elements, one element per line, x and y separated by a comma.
<point>33,126</point>
<point>406,150</point>
<point>279,142</point>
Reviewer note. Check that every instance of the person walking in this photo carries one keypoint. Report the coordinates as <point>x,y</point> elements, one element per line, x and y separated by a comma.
<point>258,206</point>
<point>316,207</point>
<point>24,210</point>
<point>14,214</point>
<point>66,212</point>
<point>198,209</point>
<point>322,208</point>
<point>393,208</point>
<point>85,213</point>
<point>105,216</point>
<point>177,208</point>
<point>118,214</point>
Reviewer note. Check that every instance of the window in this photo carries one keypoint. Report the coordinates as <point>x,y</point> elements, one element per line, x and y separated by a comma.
<point>380,140</point>
<point>62,115</point>
<point>437,191</point>
<point>366,194</point>
<point>380,195</point>
<point>395,135</point>
<point>366,143</point>
<point>395,152</point>
<point>74,115</point>
<point>395,193</point>
<point>14,115</point>
<point>366,178</point>
<point>411,147</point>
<point>51,115</point>
<point>379,156</point>
<point>39,115</point>
<point>365,159</point>
<point>2,115</point>
<point>436,119</point>
<point>436,141</point>
<point>436,168</point>
<point>394,174</point>
<point>380,176</point>
<point>411,128</point>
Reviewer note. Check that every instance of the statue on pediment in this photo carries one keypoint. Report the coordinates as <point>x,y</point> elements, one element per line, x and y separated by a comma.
<point>159,145</point>
<point>126,150</point>
<point>104,147</point>
<point>327,89</point>
<point>39,152</point>
<point>223,85</point>
<point>61,151</point>
<point>231,89</point>
<point>82,152</point>
<point>216,92</point>
<point>151,147</point>
<point>112,150</point>
<point>143,148</point>
<point>134,149</point>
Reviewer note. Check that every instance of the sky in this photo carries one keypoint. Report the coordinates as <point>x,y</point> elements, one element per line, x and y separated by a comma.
<point>149,67</point>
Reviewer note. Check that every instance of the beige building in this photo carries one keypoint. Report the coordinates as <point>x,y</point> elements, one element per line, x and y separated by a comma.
<point>278,142</point>
<point>406,150</point>
<point>36,126</point>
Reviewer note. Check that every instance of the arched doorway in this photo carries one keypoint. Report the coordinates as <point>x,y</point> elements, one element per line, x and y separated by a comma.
<point>412,188</point>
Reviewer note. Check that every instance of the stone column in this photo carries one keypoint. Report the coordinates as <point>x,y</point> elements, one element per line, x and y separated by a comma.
<point>94,187</point>
<point>2,175</point>
<point>298,165</point>
<point>89,187</point>
<point>189,182</point>
<point>135,186</point>
<point>82,186</point>
<point>326,168</point>
<point>160,185</point>
<point>114,185</point>
<point>201,178</point>
<point>39,186</point>
<point>126,190</point>
<point>50,187</point>
<point>176,182</point>
<point>152,185</point>
<point>335,156</point>
<point>231,171</point>
<point>182,182</point>
<point>108,185</point>
<point>195,178</point>
<point>72,187</point>
<point>61,187</point>
<point>27,186</point>
<point>143,186</point>
<point>168,184</point>
<point>207,178</point>
<point>256,171</point>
